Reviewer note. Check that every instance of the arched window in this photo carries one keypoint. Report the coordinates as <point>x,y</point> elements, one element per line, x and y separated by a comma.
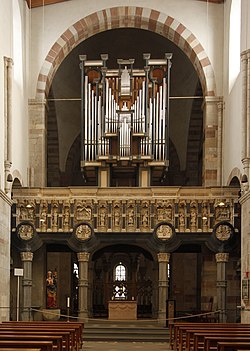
<point>120,272</point>
<point>120,286</point>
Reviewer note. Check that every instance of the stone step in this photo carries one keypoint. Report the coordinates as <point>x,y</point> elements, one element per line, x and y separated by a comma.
<point>125,331</point>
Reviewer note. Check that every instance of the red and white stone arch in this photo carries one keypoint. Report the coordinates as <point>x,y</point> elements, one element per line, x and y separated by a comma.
<point>131,17</point>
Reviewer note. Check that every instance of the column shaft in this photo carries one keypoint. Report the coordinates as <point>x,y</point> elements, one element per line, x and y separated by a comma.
<point>221,259</point>
<point>83,258</point>
<point>27,258</point>
<point>163,259</point>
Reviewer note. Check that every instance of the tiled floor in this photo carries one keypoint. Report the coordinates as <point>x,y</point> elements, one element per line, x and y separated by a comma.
<point>124,346</point>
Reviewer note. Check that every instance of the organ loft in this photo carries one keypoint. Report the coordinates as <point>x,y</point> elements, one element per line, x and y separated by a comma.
<point>125,120</point>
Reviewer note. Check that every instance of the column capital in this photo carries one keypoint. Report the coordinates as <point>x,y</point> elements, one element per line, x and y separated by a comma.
<point>26,256</point>
<point>222,257</point>
<point>83,256</point>
<point>163,257</point>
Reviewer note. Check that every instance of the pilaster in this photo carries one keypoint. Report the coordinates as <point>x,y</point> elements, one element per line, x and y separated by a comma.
<point>37,143</point>
<point>212,148</point>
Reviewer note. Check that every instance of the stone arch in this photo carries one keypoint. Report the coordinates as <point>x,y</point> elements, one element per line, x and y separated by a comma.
<point>234,173</point>
<point>122,17</point>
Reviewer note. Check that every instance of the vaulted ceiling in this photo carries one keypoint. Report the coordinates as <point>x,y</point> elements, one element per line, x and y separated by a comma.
<point>37,3</point>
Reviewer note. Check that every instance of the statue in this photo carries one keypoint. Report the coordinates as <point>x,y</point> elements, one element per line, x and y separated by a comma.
<point>51,287</point>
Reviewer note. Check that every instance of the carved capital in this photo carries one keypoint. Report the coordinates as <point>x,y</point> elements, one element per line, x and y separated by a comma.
<point>163,257</point>
<point>83,256</point>
<point>222,257</point>
<point>26,256</point>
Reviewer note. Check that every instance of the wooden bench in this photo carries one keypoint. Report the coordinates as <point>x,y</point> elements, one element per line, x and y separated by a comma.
<point>214,336</point>
<point>56,340</point>
<point>75,328</point>
<point>182,332</point>
<point>233,346</point>
<point>37,331</point>
<point>27,344</point>
<point>212,342</point>
<point>195,338</point>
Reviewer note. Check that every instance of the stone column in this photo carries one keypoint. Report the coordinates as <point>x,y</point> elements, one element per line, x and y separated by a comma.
<point>221,284</point>
<point>245,153</point>
<point>27,258</point>
<point>245,254</point>
<point>37,143</point>
<point>212,148</point>
<point>83,258</point>
<point>8,97</point>
<point>163,260</point>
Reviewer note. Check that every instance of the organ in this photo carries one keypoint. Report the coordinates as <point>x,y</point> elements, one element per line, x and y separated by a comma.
<point>125,112</point>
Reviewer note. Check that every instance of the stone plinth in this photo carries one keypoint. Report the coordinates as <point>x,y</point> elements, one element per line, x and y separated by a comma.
<point>51,314</point>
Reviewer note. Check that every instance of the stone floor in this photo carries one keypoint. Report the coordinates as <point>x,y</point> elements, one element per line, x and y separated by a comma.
<point>124,346</point>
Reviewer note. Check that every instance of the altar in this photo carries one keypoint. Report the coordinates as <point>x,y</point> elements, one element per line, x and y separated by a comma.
<point>122,310</point>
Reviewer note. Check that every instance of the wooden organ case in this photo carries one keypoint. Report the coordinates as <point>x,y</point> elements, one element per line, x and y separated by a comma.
<point>125,115</point>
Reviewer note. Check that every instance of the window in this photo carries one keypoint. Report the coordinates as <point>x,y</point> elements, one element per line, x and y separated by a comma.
<point>120,286</point>
<point>120,272</point>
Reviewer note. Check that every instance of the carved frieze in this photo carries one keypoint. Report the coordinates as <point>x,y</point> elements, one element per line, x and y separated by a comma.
<point>124,215</point>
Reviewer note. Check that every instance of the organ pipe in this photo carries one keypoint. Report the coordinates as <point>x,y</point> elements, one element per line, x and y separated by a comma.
<point>125,104</point>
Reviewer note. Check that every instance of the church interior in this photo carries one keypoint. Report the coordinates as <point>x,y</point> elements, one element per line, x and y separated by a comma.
<point>125,160</point>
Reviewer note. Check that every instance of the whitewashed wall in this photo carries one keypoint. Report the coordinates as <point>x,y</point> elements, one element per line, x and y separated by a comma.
<point>232,91</point>
<point>204,21</point>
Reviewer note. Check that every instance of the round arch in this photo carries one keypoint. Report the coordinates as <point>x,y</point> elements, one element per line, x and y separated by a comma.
<point>122,17</point>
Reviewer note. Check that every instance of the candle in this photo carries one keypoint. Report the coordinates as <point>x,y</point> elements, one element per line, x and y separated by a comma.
<point>68,302</point>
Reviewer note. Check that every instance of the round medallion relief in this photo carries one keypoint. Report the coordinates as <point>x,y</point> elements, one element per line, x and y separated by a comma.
<point>223,232</point>
<point>25,232</point>
<point>83,232</point>
<point>164,232</point>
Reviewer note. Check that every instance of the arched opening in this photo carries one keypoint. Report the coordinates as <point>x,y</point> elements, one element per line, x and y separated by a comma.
<point>186,116</point>
<point>123,272</point>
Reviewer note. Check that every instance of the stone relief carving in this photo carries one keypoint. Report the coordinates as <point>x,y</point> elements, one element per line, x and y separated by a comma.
<point>223,232</point>
<point>131,215</point>
<point>164,232</point>
<point>102,218</point>
<point>83,211</point>
<point>116,215</point>
<point>164,211</point>
<point>54,215</point>
<point>222,212</point>
<point>26,232</point>
<point>83,232</point>
<point>108,215</point>
<point>205,215</point>
<point>43,215</point>
<point>145,215</point>
<point>182,215</point>
<point>66,217</point>
<point>193,215</point>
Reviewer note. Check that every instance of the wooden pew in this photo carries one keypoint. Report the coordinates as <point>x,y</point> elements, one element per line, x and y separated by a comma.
<point>56,340</point>
<point>27,344</point>
<point>233,346</point>
<point>213,336</point>
<point>195,338</point>
<point>30,330</point>
<point>180,331</point>
<point>212,342</point>
<point>76,329</point>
